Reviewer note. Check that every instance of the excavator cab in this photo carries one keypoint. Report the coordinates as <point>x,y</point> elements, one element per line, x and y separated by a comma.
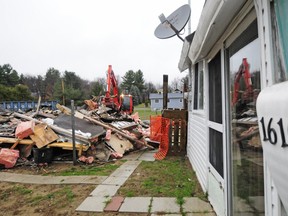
<point>126,102</point>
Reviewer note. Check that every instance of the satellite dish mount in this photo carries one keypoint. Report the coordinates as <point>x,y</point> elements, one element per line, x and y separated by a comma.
<point>174,23</point>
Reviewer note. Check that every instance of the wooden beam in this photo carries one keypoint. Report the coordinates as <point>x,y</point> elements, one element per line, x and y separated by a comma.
<point>165,91</point>
<point>55,128</point>
<point>14,140</point>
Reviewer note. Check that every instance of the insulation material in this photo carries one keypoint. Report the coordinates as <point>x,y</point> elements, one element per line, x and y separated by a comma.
<point>8,157</point>
<point>24,129</point>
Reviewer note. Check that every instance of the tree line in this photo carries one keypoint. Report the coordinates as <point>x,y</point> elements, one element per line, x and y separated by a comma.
<point>66,86</point>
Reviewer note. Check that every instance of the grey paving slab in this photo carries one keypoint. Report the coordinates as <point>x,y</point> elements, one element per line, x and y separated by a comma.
<point>111,180</point>
<point>167,214</point>
<point>37,179</point>
<point>126,169</point>
<point>132,156</point>
<point>93,204</point>
<point>147,156</point>
<point>130,164</point>
<point>122,172</point>
<point>165,204</point>
<point>105,190</point>
<point>194,204</point>
<point>136,204</point>
<point>94,179</point>
<point>201,214</point>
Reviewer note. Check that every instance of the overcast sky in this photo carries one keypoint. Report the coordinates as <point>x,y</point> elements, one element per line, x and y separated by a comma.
<point>85,36</point>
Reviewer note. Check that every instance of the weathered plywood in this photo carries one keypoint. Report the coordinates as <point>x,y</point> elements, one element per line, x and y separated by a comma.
<point>120,146</point>
<point>43,135</point>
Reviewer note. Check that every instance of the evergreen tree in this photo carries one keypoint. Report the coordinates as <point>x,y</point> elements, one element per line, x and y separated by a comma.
<point>134,91</point>
<point>8,76</point>
<point>139,80</point>
<point>128,80</point>
<point>98,87</point>
<point>51,77</point>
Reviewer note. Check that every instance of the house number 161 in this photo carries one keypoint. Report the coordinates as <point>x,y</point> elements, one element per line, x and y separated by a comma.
<point>270,134</point>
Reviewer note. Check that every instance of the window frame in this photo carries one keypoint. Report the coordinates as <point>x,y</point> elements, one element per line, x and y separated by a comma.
<point>198,101</point>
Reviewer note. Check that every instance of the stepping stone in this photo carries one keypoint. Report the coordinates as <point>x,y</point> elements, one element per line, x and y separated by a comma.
<point>114,204</point>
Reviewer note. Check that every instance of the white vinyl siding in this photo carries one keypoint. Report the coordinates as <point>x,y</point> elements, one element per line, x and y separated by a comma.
<point>197,147</point>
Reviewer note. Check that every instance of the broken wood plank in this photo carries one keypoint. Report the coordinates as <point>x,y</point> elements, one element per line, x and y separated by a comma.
<point>43,135</point>
<point>56,128</point>
<point>15,144</point>
<point>14,140</point>
<point>113,129</point>
<point>120,146</point>
<point>69,146</point>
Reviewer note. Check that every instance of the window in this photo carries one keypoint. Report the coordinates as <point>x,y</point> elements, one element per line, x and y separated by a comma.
<point>156,100</point>
<point>280,34</point>
<point>215,92</point>
<point>216,150</point>
<point>247,155</point>
<point>198,91</point>
<point>215,114</point>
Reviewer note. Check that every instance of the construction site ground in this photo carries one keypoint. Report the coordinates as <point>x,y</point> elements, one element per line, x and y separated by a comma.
<point>30,192</point>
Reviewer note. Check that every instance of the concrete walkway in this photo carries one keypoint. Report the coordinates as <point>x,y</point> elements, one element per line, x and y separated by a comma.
<point>103,198</point>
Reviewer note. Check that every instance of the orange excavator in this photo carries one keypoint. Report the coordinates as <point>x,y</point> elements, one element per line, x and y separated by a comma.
<point>248,93</point>
<point>120,103</point>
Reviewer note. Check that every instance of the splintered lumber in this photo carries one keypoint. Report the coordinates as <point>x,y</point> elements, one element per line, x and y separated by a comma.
<point>55,128</point>
<point>43,135</point>
<point>113,129</point>
<point>14,140</point>
<point>69,146</point>
<point>118,145</point>
<point>14,145</point>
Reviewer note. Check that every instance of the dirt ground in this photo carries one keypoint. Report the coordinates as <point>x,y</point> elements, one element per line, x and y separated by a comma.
<point>33,200</point>
<point>56,200</point>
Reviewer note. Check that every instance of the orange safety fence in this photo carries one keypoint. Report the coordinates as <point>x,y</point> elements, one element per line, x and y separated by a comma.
<point>155,128</point>
<point>159,130</point>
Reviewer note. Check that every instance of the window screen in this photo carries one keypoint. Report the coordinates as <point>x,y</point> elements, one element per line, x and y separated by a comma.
<point>215,95</point>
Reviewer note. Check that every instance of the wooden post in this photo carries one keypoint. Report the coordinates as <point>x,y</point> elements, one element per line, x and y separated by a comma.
<point>185,100</point>
<point>165,91</point>
<point>73,132</point>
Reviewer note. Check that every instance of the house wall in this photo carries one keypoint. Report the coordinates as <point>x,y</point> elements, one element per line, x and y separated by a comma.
<point>197,146</point>
<point>198,137</point>
<point>156,106</point>
<point>175,101</point>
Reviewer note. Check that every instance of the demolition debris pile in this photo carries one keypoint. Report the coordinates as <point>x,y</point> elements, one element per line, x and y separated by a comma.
<point>45,136</point>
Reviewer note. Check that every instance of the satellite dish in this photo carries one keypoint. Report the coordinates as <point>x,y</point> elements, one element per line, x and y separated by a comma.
<point>174,23</point>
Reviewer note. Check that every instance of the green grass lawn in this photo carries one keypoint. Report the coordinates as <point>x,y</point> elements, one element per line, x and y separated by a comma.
<point>145,112</point>
<point>171,177</point>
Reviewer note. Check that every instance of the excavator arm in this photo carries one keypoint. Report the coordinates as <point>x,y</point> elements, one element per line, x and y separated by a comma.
<point>109,100</point>
<point>243,71</point>
<point>120,103</point>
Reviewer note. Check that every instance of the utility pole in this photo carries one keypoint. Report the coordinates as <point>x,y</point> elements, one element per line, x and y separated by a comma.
<point>189,22</point>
